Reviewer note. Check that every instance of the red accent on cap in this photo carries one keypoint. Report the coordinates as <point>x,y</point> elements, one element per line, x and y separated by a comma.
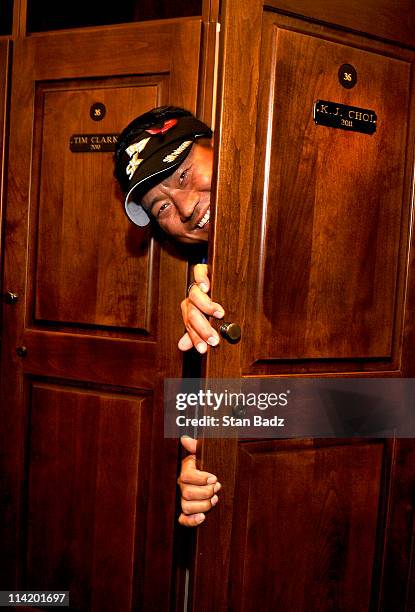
<point>167,125</point>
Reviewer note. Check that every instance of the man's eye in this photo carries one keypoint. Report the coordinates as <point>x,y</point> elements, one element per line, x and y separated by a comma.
<point>162,208</point>
<point>182,177</point>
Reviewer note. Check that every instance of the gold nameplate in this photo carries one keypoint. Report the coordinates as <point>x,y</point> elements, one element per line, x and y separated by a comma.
<point>351,118</point>
<point>93,143</point>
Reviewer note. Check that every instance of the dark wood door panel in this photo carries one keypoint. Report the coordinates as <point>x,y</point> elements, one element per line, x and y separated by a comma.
<point>97,316</point>
<point>298,503</point>
<point>313,255</point>
<point>331,207</point>
<point>87,484</point>
<point>87,272</point>
<point>144,46</point>
<point>95,359</point>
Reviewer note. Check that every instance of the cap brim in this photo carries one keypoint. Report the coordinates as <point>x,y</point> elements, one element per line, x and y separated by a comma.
<point>136,213</point>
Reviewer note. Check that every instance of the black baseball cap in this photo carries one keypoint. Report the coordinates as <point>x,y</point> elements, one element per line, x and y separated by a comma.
<point>149,149</point>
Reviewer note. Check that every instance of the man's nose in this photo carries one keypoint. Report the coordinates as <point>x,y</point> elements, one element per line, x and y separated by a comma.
<point>186,201</point>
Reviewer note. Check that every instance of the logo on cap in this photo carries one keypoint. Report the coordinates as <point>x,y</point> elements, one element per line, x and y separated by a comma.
<point>174,154</point>
<point>133,151</point>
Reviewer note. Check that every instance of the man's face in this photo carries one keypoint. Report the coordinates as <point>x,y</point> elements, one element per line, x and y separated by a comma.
<point>180,203</point>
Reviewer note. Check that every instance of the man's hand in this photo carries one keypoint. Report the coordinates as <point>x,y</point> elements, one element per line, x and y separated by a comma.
<point>198,489</point>
<point>194,308</point>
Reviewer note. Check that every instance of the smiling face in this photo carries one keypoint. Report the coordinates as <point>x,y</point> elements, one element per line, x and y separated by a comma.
<point>180,203</point>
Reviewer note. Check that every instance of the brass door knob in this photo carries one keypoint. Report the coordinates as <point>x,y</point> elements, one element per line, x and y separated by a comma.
<point>10,298</point>
<point>231,332</point>
<point>21,351</point>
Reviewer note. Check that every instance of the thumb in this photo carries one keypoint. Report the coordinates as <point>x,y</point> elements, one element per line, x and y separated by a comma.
<point>189,444</point>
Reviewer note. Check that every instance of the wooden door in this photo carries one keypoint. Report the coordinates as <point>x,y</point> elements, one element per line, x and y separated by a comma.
<point>87,481</point>
<point>313,256</point>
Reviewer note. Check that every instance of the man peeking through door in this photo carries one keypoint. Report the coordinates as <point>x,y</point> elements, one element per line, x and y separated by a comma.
<point>163,162</point>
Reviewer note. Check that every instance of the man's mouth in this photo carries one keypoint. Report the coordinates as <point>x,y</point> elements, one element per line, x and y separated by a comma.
<point>203,220</point>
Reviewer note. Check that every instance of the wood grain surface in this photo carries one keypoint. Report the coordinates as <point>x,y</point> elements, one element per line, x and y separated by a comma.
<point>313,257</point>
<point>88,482</point>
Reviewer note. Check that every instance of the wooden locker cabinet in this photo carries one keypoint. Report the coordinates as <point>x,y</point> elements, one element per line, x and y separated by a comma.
<point>313,256</point>
<point>88,483</point>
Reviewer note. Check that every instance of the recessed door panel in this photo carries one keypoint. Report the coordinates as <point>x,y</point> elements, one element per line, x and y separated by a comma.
<point>330,210</point>
<point>90,269</point>
<point>339,487</point>
<point>86,487</point>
